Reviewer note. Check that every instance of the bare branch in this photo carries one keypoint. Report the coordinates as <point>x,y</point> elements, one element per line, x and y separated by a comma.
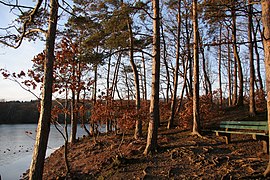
<point>24,26</point>
<point>15,5</point>
<point>64,9</point>
<point>24,88</point>
<point>35,30</point>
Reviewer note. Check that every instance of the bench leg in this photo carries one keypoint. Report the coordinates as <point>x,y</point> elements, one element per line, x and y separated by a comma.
<point>265,146</point>
<point>228,138</point>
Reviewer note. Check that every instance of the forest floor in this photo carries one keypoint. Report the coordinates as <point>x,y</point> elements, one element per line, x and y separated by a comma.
<point>180,156</point>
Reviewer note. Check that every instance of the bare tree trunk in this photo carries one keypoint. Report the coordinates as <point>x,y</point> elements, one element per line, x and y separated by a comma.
<point>266,43</point>
<point>175,83</point>
<point>73,118</point>
<point>144,77</point>
<point>183,88</point>
<point>108,121</point>
<point>66,134</point>
<point>115,76</point>
<point>190,84</point>
<point>258,60</point>
<point>168,87</point>
<point>240,101</point>
<point>208,86</point>
<point>196,114</point>
<point>43,129</point>
<point>138,124</point>
<point>235,95</point>
<point>154,101</point>
<point>219,71</point>
<point>73,106</point>
<point>229,73</point>
<point>95,83</point>
<point>252,110</point>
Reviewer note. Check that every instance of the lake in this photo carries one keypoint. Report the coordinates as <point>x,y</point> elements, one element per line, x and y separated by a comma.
<point>16,147</point>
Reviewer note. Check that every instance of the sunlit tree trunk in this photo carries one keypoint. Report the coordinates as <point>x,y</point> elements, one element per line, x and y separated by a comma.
<point>196,114</point>
<point>266,43</point>
<point>138,124</point>
<point>219,71</point>
<point>260,81</point>
<point>235,95</point>
<point>229,72</point>
<point>251,63</point>
<point>168,84</point>
<point>240,101</point>
<point>175,83</point>
<point>189,80</point>
<point>144,77</point>
<point>152,144</point>
<point>43,129</point>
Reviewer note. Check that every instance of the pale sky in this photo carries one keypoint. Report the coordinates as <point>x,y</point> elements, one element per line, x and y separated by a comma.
<point>15,60</point>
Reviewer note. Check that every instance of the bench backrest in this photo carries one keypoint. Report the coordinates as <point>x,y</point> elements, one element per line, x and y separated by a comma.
<point>251,125</point>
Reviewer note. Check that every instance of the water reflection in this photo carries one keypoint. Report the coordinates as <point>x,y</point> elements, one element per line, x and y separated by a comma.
<point>16,147</point>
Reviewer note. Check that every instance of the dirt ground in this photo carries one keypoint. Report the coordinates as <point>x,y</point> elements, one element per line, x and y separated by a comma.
<point>180,156</point>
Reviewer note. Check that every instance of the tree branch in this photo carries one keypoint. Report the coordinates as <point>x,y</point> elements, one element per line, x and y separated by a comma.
<point>24,26</point>
<point>15,5</point>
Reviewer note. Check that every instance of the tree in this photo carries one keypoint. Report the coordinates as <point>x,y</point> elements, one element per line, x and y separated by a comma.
<point>32,22</point>
<point>252,110</point>
<point>196,113</point>
<point>240,101</point>
<point>154,101</point>
<point>266,42</point>
<point>43,129</point>
<point>175,83</point>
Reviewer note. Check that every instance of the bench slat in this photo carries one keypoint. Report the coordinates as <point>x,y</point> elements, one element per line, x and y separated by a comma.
<point>236,132</point>
<point>263,123</point>
<point>250,127</point>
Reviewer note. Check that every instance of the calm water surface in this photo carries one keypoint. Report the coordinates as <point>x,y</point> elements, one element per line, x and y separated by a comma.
<point>16,147</point>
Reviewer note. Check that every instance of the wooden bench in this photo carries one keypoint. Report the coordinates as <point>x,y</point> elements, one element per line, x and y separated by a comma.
<point>258,130</point>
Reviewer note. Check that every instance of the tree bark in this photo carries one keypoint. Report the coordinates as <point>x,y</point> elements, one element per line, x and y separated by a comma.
<point>229,72</point>
<point>108,121</point>
<point>144,77</point>
<point>266,42</point>
<point>138,124</point>
<point>151,144</point>
<point>43,129</point>
<point>240,101</point>
<point>196,114</point>
<point>235,82</point>
<point>190,84</point>
<point>260,81</point>
<point>219,71</point>
<point>115,76</point>
<point>175,83</point>
<point>252,110</point>
<point>208,86</point>
<point>73,118</point>
<point>168,87</point>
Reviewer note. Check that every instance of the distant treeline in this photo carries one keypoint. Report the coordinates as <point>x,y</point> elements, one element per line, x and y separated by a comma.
<point>16,112</point>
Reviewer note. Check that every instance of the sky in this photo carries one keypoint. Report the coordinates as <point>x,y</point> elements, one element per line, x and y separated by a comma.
<point>15,60</point>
